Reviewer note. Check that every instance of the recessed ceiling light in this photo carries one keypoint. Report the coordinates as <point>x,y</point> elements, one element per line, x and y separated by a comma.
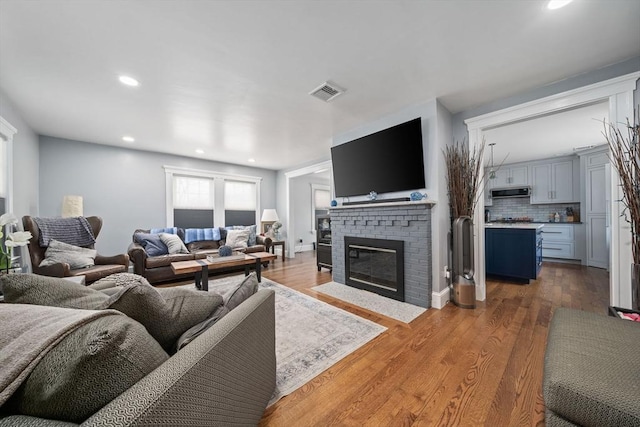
<point>252,160</point>
<point>557,4</point>
<point>128,139</point>
<point>129,81</point>
<point>200,151</point>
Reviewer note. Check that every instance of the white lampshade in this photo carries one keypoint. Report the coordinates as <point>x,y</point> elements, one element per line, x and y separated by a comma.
<point>72,206</point>
<point>269,215</point>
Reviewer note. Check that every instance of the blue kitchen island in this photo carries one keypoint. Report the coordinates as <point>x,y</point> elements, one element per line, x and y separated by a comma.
<point>513,251</point>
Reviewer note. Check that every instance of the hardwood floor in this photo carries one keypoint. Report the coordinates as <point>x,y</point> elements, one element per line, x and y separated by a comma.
<point>453,366</point>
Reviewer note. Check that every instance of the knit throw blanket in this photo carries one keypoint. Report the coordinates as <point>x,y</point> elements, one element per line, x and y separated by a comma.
<point>29,332</point>
<point>73,231</point>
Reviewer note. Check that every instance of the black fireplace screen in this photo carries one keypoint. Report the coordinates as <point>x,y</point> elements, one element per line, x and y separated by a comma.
<point>376,265</point>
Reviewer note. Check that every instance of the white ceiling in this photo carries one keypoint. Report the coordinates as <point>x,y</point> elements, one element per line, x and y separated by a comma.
<point>232,77</point>
<point>560,134</point>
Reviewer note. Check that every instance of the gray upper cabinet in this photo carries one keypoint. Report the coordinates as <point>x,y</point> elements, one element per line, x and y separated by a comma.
<point>553,182</point>
<point>510,176</point>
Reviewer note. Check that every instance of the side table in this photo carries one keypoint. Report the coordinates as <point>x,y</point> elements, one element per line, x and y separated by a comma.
<point>275,243</point>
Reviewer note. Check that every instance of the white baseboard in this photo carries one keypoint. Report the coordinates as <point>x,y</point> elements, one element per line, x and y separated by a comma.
<point>303,248</point>
<point>440,299</point>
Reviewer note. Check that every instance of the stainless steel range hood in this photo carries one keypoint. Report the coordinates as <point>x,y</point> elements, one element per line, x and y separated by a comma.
<point>503,193</point>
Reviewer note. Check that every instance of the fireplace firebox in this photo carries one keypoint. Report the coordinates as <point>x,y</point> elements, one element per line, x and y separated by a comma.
<point>375,265</point>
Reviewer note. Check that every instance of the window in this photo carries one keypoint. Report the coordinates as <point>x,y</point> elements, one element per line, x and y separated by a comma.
<point>204,199</point>
<point>239,203</point>
<point>193,202</point>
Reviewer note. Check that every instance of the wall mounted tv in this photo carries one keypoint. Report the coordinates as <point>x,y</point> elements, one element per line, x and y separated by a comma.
<point>386,161</point>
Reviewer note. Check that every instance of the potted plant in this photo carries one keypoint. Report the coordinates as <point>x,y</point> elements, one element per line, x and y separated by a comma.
<point>624,155</point>
<point>14,239</point>
<point>464,178</point>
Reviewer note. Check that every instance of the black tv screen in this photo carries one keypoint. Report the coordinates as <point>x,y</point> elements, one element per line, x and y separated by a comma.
<point>386,161</point>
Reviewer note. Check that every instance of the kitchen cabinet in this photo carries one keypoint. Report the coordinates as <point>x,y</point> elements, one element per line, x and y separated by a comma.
<point>511,176</point>
<point>553,182</point>
<point>513,252</point>
<point>558,241</point>
<point>596,209</point>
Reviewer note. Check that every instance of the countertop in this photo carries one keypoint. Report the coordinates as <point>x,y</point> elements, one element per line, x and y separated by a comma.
<point>522,225</point>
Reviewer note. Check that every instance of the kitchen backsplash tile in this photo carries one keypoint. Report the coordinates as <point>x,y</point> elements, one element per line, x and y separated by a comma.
<point>520,207</point>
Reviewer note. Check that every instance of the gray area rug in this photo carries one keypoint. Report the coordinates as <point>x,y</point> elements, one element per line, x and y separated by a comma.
<point>311,335</point>
<point>388,307</point>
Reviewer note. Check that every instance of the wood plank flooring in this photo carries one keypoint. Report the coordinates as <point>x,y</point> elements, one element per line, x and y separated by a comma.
<point>449,367</point>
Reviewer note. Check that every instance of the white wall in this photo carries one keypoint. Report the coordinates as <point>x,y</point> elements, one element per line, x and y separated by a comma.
<point>125,187</point>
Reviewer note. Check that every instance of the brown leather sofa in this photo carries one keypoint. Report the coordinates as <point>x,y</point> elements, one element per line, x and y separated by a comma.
<point>104,265</point>
<point>157,269</point>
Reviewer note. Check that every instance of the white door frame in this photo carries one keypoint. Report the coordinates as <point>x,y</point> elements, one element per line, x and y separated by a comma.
<point>619,94</point>
<point>7,133</point>
<point>290,241</point>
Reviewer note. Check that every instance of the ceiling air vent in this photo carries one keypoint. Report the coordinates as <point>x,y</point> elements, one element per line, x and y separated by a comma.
<point>327,91</point>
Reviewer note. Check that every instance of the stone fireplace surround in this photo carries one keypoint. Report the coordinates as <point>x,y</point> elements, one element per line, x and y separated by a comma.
<point>406,221</point>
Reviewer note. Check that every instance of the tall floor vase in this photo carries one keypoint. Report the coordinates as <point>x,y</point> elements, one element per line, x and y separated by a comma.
<point>635,286</point>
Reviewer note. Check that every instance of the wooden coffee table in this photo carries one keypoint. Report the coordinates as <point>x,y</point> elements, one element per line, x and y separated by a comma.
<point>202,267</point>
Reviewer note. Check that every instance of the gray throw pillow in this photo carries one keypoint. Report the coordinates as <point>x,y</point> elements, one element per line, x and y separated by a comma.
<point>88,369</point>
<point>166,312</point>
<point>244,290</point>
<point>252,232</point>
<point>197,330</point>
<point>232,299</point>
<point>173,243</point>
<point>113,280</point>
<point>50,291</point>
<point>75,256</point>
<point>237,239</point>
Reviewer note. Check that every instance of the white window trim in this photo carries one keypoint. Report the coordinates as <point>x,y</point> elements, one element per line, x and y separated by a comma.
<point>218,181</point>
<point>6,135</point>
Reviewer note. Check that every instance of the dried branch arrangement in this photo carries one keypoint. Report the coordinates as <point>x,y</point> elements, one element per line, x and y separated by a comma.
<point>625,159</point>
<point>464,177</point>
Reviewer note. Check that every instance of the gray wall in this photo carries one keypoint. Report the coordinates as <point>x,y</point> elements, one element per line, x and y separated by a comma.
<point>125,187</point>
<point>621,68</point>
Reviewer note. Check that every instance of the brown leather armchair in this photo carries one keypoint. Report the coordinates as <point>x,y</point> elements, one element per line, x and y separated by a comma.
<point>104,265</point>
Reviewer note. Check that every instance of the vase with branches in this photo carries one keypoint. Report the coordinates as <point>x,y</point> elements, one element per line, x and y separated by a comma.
<point>625,158</point>
<point>464,177</point>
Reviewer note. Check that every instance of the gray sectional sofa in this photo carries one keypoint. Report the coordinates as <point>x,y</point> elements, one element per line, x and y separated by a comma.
<point>224,377</point>
<point>591,370</point>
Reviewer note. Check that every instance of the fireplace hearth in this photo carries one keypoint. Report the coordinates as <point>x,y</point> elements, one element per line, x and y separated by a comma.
<point>376,265</point>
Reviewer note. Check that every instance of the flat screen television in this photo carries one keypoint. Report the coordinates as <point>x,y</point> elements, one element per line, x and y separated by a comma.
<point>387,161</point>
